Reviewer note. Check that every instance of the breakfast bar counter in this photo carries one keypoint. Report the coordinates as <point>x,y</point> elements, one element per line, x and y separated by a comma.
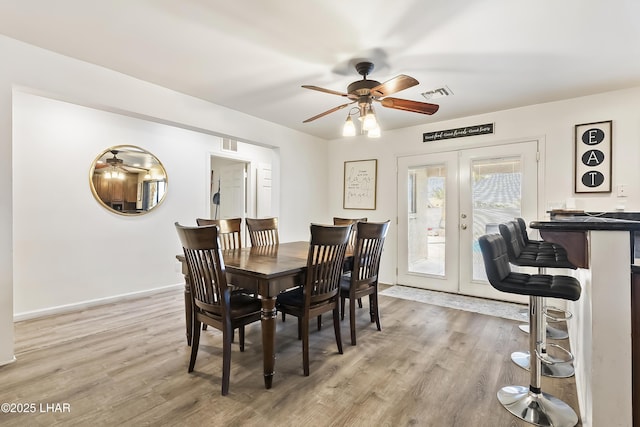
<point>601,331</point>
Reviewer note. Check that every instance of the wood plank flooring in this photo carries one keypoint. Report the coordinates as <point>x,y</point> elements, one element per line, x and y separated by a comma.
<point>125,364</point>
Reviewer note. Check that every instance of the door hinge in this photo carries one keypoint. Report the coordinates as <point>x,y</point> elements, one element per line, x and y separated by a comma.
<point>537,156</point>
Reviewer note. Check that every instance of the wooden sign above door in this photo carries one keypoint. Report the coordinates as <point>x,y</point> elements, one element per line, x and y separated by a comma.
<point>458,132</point>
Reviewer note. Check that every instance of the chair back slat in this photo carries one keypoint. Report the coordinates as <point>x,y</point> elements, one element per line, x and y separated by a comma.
<point>263,232</point>
<point>230,231</point>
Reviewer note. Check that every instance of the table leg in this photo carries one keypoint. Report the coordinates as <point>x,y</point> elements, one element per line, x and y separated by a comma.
<point>268,320</point>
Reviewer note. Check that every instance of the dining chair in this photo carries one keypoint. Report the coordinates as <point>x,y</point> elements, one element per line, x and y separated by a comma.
<point>352,241</point>
<point>230,238</point>
<point>363,278</point>
<point>263,232</point>
<point>321,290</point>
<point>212,301</point>
<point>230,231</point>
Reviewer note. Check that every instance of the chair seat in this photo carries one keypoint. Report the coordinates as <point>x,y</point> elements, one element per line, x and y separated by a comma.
<point>292,300</point>
<point>291,297</point>
<point>542,285</point>
<point>244,304</point>
<point>543,254</point>
<point>532,253</point>
<point>241,305</point>
<point>345,285</point>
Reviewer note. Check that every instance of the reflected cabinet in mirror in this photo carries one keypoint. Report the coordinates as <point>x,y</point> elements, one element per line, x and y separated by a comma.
<point>128,180</point>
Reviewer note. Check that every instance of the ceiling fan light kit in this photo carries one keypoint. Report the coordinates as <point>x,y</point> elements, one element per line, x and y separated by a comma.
<point>349,129</point>
<point>115,163</point>
<point>365,92</point>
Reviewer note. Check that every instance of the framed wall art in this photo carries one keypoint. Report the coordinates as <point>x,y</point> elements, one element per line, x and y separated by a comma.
<point>360,181</point>
<point>592,163</point>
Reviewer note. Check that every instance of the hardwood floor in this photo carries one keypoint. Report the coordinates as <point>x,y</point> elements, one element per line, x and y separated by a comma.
<point>126,364</point>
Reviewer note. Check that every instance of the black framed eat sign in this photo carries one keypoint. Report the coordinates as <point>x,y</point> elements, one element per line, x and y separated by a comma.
<point>593,158</point>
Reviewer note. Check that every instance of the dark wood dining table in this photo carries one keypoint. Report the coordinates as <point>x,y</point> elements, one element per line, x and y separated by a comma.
<point>266,270</point>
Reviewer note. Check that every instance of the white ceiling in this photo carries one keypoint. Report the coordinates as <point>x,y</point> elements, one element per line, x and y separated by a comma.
<point>253,55</point>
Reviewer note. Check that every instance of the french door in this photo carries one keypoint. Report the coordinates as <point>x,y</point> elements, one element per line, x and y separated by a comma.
<point>447,200</point>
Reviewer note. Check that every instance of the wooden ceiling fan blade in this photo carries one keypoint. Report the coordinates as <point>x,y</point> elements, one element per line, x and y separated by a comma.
<point>339,107</point>
<point>407,105</point>
<point>394,85</point>
<point>321,89</point>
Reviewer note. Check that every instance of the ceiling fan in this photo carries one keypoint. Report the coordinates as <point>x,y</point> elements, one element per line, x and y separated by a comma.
<point>364,92</point>
<point>117,165</point>
<point>114,161</point>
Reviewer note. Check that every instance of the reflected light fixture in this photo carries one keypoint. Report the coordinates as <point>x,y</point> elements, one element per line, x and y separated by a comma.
<point>115,162</point>
<point>114,174</point>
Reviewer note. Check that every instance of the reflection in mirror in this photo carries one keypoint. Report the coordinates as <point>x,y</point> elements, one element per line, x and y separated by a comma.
<point>128,180</point>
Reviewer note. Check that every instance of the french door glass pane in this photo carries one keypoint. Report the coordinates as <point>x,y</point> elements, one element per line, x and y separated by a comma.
<point>496,191</point>
<point>427,240</point>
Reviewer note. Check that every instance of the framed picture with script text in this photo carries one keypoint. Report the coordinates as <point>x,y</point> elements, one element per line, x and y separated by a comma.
<point>592,163</point>
<point>360,180</point>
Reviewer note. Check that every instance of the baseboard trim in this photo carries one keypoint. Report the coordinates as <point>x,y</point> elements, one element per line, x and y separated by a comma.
<point>7,362</point>
<point>27,315</point>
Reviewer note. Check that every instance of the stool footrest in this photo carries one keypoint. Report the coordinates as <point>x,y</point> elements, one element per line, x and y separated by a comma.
<point>567,314</point>
<point>552,333</point>
<point>558,370</point>
<point>548,360</point>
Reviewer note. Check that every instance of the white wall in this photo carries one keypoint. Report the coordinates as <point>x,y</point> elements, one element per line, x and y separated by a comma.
<point>553,122</point>
<point>302,192</point>
<point>68,249</point>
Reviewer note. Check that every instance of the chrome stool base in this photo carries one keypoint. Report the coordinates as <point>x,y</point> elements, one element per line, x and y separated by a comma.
<point>541,409</point>
<point>557,370</point>
<point>552,333</point>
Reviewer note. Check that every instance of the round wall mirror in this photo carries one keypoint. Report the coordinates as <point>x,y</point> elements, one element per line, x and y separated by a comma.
<point>128,180</point>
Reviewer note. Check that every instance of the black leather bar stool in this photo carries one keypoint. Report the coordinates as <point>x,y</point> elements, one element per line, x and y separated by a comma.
<point>562,262</point>
<point>531,253</point>
<point>530,404</point>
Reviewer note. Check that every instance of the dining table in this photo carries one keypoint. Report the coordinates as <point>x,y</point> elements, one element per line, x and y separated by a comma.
<point>267,271</point>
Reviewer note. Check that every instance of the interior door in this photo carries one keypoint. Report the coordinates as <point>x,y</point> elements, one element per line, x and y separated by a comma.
<point>448,200</point>
<point>233,190</point>
<point>264,190</point>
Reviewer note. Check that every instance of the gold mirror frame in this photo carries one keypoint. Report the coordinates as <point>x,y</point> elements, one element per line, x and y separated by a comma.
<point>128,180</point>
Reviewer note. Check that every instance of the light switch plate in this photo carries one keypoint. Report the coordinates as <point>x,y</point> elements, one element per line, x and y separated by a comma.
<point>622,190</point>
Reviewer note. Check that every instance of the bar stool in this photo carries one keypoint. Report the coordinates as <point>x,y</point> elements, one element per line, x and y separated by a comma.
<point>530,404</point>
<point>523,238</point>
<point>542,255</point>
